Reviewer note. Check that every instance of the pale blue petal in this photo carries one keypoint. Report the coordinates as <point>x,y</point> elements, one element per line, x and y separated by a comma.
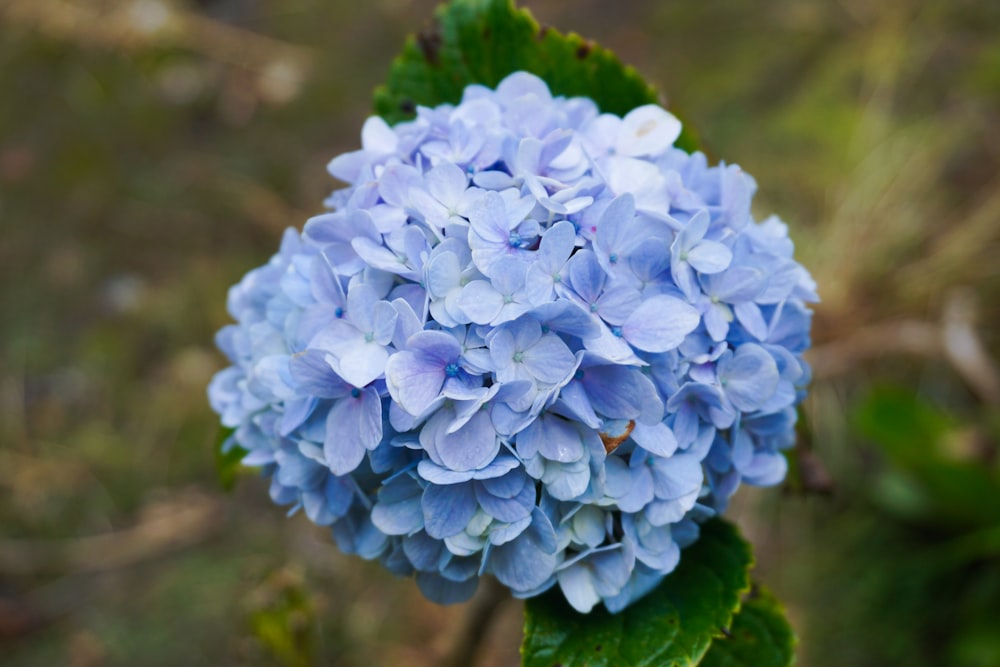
<point>397,510</point>
<point>549,360</point>
<point>384,322</point>
<point>749,377</point>
<point>655,438</point>
<point>766,469</point>
<point>577,585</point>
<point>504,533</point>
<point>710,257</point>
<point>362,363</point>
<point>640,492</point>
<point>447,182</point>
<point>480,302</point>
<point>414,380</point>
<point>586,276</point>
<point>617,303</point>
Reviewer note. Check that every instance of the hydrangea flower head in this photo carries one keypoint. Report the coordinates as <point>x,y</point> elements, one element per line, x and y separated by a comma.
<point>529,340</point>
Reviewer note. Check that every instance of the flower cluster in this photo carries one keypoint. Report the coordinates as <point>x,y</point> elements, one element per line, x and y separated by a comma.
<point>530,340</point>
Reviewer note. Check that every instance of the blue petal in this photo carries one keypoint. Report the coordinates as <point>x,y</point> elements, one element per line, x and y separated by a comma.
<point>524,563</point>
<point>577,585</point>
<point>511,509</point>
<point>506,486</point>
<point>444,591</point>
<point>447,509</point>
<point>641,491</point>
<point>469,448</point>
<point>424,551</point>
<point>398,508</point>
<point>617,392</point>
<point>554,438</point>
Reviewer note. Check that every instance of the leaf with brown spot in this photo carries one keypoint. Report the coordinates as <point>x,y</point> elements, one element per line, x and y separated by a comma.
<point>482,41</point>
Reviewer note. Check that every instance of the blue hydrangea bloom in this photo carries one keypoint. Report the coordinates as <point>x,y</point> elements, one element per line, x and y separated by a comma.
<point>529,340</point>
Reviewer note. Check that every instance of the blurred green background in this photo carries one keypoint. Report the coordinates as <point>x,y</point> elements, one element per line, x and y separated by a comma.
<point>152,151</point>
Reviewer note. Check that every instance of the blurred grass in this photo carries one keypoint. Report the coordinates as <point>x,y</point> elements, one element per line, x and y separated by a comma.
<point>152,152</point>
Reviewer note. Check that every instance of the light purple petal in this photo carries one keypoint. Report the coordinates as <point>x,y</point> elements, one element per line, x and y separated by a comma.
<point>749,377</point>
<point>586,276</point>
<point>549,360</point>
<point>480,302</point>
<point>447,182</point>
<point>414,380</point>
<point>363,363</point>
<point>660,324</point>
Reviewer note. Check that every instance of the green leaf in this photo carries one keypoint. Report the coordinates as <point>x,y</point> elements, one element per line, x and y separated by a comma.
<point>672,626</point>
<point>482,41</point>
<point>228,455</point>
<point>759,637</point>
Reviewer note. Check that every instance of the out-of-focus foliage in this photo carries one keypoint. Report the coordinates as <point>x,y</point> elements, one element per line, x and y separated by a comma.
<point>941,469</point>
<point>145,167</point>
<point>928,556</point>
